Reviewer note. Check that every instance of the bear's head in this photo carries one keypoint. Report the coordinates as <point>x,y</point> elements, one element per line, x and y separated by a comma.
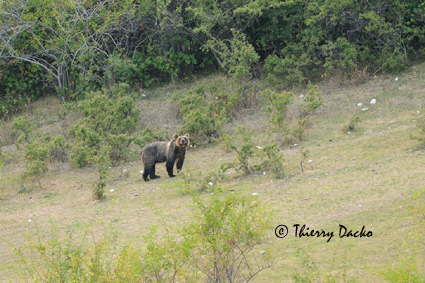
<point>182,141</point>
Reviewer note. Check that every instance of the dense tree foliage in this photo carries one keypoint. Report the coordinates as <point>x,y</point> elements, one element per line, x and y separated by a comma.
<point>68,47</point>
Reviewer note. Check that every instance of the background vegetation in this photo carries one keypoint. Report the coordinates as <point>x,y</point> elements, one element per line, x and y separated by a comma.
<point>68,47</point>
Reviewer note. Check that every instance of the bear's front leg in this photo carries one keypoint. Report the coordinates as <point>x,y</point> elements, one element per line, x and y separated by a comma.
<point>169,165</point>
<point>179,164</point>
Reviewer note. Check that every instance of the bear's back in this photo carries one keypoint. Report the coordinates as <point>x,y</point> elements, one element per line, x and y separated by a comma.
<point>155,150</point>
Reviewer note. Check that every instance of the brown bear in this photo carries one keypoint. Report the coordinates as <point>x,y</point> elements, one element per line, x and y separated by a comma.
<point>169,152</point>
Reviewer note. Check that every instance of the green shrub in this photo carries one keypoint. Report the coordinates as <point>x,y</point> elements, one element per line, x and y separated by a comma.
<point>77,257</point>
<point>219,244</point>
<point>38,149</point>
<point>108,118</point>
<point>308,271</point>
<point>206,107</point>
<point>313,100</point>
<point>252,158</point>
<point>420,136</point>
<point>271,160</point>
<point>409,269</point>
<point>276,106</point>
<point>20,83</point>
<point>104,134</point>
<point>403,273</point>
<point>244,148</point>
<point>224,232</point>
<point>351,124</point>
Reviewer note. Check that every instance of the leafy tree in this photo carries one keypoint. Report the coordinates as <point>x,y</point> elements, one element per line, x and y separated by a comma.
<point>63,38</point>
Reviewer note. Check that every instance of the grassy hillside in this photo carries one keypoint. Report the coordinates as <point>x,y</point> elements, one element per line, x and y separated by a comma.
<point>364,178</point>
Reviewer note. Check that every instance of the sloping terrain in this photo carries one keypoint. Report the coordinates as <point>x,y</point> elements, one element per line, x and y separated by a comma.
<point>364,178</point>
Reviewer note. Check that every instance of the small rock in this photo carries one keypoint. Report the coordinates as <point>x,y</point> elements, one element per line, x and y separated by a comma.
<point>396,79</point>
<point>136,195</point>
<point>373,101</point>
<point>348,133</point>
<point>262,252</point>
<point>141,172</point>
<point>360,104</point>
<point>360,205</point>
<point>259,147</point>
<point>399,87</point>
<point>310,161</point>
<point>254,194</point>
<point>264,173</point>
<point>364,109</point>
<point>295,144</point>
<point>111,190</point>
<point>302,95</point>
<point>212,193</point>
<point>210,183</point>
<point>30,220</point>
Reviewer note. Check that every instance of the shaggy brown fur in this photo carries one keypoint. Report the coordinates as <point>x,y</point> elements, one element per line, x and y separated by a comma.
<point>170,152</point>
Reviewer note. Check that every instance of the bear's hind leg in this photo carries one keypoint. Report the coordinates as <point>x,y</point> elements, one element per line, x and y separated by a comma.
<point>146,174</point>
<point>153,176</point>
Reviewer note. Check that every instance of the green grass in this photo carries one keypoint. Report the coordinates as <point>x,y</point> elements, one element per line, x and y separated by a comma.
<point>364,178</point>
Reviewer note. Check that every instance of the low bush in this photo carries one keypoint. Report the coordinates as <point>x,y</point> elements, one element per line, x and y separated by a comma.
<point>219,244</point>
<point>38,149</point>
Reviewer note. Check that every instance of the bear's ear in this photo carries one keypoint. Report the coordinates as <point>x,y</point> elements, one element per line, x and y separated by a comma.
<point>186,135</point>
<point>175,137</point>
